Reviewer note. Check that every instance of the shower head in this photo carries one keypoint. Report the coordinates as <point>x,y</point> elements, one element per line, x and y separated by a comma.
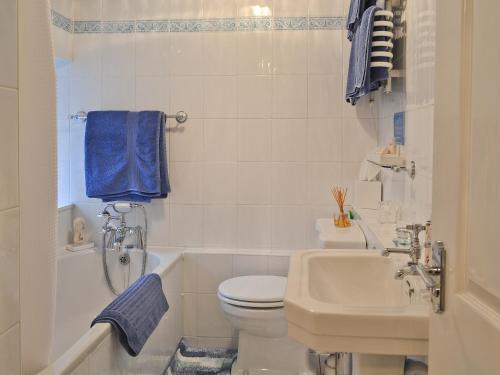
<point>125,207</point>
<point>105,213</point>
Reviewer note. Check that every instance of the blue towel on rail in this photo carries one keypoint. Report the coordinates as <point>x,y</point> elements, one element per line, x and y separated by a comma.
<point>125,156</point>
<point>136,312</point>
<point>361,79</point>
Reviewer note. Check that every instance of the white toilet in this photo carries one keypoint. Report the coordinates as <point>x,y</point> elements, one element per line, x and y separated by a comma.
<point>254,305</point>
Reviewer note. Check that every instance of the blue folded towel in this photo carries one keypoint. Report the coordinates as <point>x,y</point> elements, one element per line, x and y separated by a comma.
<point>356,10</point>
<point>136,312</point>
<point>361,79</point>
<point>125,156</point>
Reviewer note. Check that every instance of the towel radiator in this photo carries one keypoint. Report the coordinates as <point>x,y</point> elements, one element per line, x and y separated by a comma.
<point>390,28</point>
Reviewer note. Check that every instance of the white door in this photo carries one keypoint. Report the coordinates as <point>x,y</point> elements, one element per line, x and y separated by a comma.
<point>465,339</point>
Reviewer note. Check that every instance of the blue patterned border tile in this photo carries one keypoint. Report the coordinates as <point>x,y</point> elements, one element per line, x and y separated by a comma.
<point>118,27</point>
<point>219,24</point>
<point>255,24</point>
<point>157,26</point>
<point>199,25</point>
<point>61,21</point>
<point>326,23</point>
<point>185,26</point>
<point>82,27</point>
<point>290,23</point>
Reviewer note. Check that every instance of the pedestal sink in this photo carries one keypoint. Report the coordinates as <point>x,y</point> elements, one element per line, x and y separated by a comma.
<point>349,301</point>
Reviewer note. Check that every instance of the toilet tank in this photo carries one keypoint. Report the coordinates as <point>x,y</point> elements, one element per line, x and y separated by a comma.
<point>331,237</point>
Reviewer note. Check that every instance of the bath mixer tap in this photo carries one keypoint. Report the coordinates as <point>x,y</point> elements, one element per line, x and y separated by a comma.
<point>118,236</point>
<point>117,232</point>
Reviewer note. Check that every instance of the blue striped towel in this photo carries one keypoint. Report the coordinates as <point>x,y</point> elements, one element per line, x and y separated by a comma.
<point>136,312</point>
<point>361,78</point>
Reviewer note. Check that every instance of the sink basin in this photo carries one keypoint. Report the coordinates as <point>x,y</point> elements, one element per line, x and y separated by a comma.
<point>349,301</point>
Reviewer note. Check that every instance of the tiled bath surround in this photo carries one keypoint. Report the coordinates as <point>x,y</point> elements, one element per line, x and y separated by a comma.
<point>268,132</point>
<point>107,356</point>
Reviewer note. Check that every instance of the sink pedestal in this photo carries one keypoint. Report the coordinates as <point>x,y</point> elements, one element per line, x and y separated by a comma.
<point>281,354</point>
<point>376,364</point>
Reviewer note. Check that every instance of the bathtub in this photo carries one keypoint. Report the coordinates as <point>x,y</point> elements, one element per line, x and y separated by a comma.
<point>82,292</point>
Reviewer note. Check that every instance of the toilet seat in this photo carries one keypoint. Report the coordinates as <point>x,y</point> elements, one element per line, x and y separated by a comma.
<point>254,305</point>
<point>262,292</point>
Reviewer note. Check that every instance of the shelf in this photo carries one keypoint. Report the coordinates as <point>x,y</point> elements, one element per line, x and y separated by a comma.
<point>398,168</point>
<point>387,160</point>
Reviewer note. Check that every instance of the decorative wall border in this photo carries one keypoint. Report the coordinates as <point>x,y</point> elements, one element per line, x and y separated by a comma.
<point>62,22</point>
<point>198,25</point>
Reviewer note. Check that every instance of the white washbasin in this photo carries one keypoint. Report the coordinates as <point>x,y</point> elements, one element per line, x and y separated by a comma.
<point>349,300</point>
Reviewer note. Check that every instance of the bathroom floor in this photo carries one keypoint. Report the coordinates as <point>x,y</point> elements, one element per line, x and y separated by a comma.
<point>197,361</point>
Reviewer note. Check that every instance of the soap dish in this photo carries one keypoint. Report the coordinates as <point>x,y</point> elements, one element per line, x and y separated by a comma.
<point>387,160</point>
<point>394,162</point>
<point>81,247</point>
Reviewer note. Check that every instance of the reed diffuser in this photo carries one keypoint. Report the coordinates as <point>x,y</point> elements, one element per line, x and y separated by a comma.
<point>342,219</point>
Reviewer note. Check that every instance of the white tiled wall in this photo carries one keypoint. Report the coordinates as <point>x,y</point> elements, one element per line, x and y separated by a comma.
<point>204,321</point>
<point>64,226</point>
<point>62,41</point>
<point>269,131</point>
<point>416,98</point>
<point>10,362</point>
<point>63,70</point>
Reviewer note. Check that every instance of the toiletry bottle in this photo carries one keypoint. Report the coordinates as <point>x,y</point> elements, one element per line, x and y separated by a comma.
<point>428,244</point>
<point>398,147</point>
<point>392,147</point>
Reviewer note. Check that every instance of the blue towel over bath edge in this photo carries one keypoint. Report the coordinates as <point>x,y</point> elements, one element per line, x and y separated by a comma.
<point>136,312</point>
<point>125,156</point>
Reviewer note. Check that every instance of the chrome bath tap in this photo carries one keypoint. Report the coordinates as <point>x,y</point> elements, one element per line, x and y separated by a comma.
<point>119,237</point>
<point>118,233</point>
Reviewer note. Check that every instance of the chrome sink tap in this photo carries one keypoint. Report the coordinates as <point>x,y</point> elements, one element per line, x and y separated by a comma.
<point>415,249</point>
<point>433,276</point>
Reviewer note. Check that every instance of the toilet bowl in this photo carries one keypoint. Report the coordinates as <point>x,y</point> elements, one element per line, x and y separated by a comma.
<point>254,306</point>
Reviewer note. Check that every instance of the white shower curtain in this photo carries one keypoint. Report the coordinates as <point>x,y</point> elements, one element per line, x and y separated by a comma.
<point>37,182</point>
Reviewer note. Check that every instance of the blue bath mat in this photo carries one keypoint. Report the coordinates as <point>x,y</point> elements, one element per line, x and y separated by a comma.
<point>200,361</point>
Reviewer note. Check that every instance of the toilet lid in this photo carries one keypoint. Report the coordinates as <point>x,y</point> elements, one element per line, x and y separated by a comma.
<point>254,288</point>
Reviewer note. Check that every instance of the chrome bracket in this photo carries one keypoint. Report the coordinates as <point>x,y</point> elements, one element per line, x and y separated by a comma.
<point>434,276</point>
<point>438,271</point>
<point>181,117</point>
<point>411,169</point>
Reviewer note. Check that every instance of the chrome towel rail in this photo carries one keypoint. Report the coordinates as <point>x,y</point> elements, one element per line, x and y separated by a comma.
<point>181,116</point>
